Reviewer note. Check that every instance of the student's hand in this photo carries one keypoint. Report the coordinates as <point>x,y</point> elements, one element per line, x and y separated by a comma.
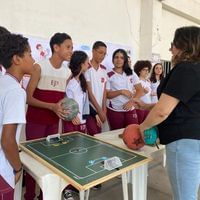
<point>17,176</point>
<point>140,104</point>
<point>76,121</point>
<point>146,90</point>
<point>135,102</point>
<point>59,111</point>
<point>153,93</point>
<point>99,122</point>
<point>102,116</point>
<point>127,93</point>
<point>104,110</point>
<point>129,105</point>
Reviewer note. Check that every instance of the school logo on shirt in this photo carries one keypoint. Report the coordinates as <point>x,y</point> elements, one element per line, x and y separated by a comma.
<point>135,116</point>
<point>54,83</point>
<point>102,80</point>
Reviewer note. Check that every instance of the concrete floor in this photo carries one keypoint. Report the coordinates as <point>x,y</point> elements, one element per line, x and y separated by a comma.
<point>158,186</point>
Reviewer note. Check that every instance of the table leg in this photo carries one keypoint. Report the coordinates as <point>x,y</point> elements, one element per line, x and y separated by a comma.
<point>135,183</point>
<point>125,186</point>
<point>164,158</point>
<point>82,195</point>
<point>139,183</point>
<point>52,186</point>
<point>18,189</point>
<point>87,192</point>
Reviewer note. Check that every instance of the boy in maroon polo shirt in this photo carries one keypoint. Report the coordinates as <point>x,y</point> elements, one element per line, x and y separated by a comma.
<point>45,90</point>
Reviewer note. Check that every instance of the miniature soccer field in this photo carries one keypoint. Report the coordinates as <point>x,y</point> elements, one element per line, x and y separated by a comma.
<point>81,157</point>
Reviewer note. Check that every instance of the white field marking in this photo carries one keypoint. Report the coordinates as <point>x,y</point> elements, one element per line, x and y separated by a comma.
<point>64,154</point>
<point>47,144</point>
<point>81,150</point>
<point>75,175</point>
<point>109,145</point>
<point>102,165</point>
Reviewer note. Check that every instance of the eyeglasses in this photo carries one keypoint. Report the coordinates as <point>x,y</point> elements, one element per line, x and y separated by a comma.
<point>145,69</point>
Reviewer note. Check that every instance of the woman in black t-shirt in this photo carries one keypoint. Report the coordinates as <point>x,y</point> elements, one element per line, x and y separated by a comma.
<point>177,114</point>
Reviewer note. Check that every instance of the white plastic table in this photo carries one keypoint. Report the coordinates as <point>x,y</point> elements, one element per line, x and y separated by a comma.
<point>52,184</point>
<point>138,176</point>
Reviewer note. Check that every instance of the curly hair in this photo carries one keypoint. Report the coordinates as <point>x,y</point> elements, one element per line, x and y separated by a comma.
<point>3,30</point>
<point>187,39</point>
<point>78,58</point>
<point>10,45</point>
<point>126,67</point>
<point>140,64</point>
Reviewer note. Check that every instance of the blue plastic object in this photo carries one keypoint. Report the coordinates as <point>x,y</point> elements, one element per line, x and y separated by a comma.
<point>150,136</point>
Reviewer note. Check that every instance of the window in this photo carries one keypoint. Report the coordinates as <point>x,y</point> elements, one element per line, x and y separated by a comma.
<point>166,66</point>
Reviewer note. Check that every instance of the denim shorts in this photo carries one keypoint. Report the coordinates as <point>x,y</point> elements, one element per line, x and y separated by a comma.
<point>183,165</point>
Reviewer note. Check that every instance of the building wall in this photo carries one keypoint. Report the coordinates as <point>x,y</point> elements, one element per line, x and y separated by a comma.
<point>86,21</point>
<point>159,20</point>
<point>170,22</point>
<point>145,25</point>
<point>173,18</point>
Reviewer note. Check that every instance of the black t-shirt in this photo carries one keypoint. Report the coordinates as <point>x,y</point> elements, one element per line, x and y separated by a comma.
<point>182,83</point>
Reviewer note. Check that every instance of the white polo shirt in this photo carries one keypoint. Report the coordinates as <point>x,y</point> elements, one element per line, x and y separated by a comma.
<point>147,97</point>
<point>74,91</point>
<point>98,79</point>
<point>12,111</point>
<point>116,82</point>
<point>136,79</point>
<point>154,86</point>
<point>2,70</point>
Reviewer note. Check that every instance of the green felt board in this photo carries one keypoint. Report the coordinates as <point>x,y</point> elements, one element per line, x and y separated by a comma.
<point>81,157</point>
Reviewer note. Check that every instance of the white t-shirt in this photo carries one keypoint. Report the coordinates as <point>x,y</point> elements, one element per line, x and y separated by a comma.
<point>154,97</point>
<point>97,79</point>
<point>116,82</point>
<point>12,111</point>
<point>147,97</point>
<point>74,91</point>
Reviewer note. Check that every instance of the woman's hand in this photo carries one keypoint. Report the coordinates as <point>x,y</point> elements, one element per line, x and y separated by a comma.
<point>142,129</point>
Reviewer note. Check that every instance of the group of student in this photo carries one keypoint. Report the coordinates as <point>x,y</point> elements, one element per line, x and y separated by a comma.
<point>100,94</point>
<point>115,95</point>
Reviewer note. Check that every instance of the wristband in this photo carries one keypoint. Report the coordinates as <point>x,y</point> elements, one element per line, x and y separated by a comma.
<point>17,171</point>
